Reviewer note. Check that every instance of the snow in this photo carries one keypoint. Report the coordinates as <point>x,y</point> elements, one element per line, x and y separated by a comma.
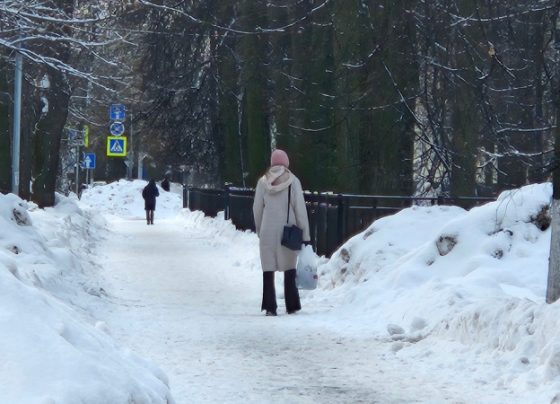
<point>51,349</point>
<point>432,304</point>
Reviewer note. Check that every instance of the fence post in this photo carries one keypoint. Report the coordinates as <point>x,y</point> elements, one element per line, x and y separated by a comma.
<point>191,199</point>
<point>340,219</point>
<point>185,197</point>
<point>226,202</point>
<point>314,197</point>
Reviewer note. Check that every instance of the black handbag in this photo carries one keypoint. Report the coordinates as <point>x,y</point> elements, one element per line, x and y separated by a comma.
<point>292,236</point>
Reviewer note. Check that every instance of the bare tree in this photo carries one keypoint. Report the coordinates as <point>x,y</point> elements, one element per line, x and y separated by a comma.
<point>48,34</point>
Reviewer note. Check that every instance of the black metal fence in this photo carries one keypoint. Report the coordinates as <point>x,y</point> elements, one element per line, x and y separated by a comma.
<point>333,218</point>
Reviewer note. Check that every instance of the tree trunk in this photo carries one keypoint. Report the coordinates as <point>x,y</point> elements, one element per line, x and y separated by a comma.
<point>30,114</point>
<point>254,82</point>
<point>464,144</point>
<point>47,140</point>
<point>348,89</point>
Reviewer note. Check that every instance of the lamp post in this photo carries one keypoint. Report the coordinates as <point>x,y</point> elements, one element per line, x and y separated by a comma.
<point>129,161</point>
<point>16,130</point>
<point>553,281</point>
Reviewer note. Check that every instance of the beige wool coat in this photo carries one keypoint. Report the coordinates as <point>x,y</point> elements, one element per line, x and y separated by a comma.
<point>270,210</point>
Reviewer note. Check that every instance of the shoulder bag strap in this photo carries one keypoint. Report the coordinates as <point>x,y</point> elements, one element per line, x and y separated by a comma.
<point>289,196</point>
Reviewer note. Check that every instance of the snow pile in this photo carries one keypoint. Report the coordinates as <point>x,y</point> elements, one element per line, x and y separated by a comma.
<point>124,199</point>
<point>476,277</point>
<point>51,350</point>
<point>215,227</point>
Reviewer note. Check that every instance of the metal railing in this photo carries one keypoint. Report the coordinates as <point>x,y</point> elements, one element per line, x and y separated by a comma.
<point>333,218</point>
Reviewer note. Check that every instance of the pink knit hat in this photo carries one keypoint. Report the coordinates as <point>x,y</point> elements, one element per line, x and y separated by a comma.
<point>279,158</point>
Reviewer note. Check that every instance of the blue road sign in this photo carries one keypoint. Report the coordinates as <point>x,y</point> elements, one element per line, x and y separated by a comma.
<point>72,134</point>
<point>117,112</point>
<point>88,160</point>
<point>116,128</point>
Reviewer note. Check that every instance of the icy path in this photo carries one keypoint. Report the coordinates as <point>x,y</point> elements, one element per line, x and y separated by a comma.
<point>179,300</point>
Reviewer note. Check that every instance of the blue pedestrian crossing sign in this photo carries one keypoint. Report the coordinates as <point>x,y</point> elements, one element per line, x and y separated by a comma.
<point>116,146</point>
<point>117,112</point>
<point>88,161</point>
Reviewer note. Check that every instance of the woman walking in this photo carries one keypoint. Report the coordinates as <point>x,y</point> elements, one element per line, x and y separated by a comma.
<point>150,193</point>
<point>278,202</point>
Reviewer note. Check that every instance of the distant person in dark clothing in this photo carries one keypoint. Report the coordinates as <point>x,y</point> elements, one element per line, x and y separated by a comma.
<point>150,193</point>
<point>165,184</point>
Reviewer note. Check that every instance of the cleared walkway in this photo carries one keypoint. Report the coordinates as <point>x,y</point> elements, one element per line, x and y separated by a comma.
<point>184,302</point>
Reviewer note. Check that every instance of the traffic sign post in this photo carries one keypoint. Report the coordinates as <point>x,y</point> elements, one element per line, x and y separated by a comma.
<point>88,161</point>
<point>78,138</point>
<point>116,146</point>
<point>117,112</point>
<point>72,134</point>
<point>117,143</point>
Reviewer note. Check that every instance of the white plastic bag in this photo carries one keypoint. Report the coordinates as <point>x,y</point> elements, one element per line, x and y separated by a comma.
<point>306,269</point>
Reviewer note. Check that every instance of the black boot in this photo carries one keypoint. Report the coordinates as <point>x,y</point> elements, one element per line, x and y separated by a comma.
<point>148,216</point>
<point>269,294</point>
<point>291,293</point>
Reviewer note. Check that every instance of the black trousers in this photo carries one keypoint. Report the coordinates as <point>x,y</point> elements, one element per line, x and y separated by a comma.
<point>291,294</point>
<point>150,216</point>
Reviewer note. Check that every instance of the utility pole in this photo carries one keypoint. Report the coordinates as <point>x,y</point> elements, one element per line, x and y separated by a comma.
<point>16,133</point>
<point>553,281</point>
<point>129,160</point>
<point>139,167</point>
<point>77,149</point>
<point>131,166</point>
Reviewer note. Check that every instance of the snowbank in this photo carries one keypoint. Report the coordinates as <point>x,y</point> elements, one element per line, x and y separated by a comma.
<point>124,199</point>
<point>477,278</point>
<point>51,350</point>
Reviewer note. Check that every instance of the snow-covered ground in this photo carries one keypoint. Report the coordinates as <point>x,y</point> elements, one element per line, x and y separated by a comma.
<point>433,304</point>
<point>52,349</point>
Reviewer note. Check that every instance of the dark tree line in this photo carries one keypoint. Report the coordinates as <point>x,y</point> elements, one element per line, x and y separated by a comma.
<point>392,97</point>
<point>388,96</point>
